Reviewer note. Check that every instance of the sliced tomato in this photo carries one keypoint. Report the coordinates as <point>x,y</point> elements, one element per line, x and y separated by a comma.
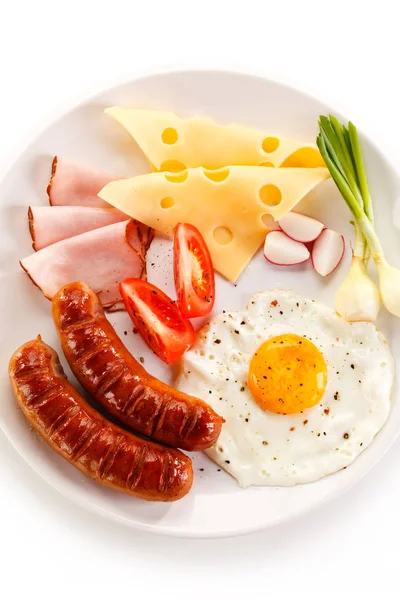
<point>157,318</point>
<point>194,272</point>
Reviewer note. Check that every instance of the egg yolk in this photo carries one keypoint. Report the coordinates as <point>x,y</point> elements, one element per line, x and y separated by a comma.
<point>287,374</point>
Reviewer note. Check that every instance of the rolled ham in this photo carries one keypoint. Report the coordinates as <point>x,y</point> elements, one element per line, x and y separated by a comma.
<point>101,257</point>
<point>51,224</point>
<point>73,184</point>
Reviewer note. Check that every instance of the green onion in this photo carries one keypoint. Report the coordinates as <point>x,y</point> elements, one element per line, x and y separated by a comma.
<point>357,297</point>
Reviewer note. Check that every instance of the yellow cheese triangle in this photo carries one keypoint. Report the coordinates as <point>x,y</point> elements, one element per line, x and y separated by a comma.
<point>227,205</point>
<point>173,144</point>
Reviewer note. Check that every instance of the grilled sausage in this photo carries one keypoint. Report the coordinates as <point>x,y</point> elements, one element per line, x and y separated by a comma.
<point>106,370</point>
<point>76,431</point>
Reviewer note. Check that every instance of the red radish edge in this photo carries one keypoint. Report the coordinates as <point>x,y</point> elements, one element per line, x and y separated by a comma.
<point>280,249</point>
<point>327,252</point>
<point>301,228</point>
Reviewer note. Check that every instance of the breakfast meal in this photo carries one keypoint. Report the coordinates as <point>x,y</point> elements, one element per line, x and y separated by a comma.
<point>285,391</point>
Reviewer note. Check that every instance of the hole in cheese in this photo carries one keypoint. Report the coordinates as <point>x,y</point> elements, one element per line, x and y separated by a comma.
<point>174,166</point>
<point>269,221</point>
<point>176,177</point>
<point>169,136</point>
<point>270,144</point>
<point>270,194</point>
<point>217,175</point>
<point>222,235</point>
<point>167,202</point>
<point>304,157</point>
<point>266,164</point>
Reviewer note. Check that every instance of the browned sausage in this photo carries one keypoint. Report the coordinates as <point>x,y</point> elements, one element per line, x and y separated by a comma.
<point>106,369</point>
<point>76,431</point>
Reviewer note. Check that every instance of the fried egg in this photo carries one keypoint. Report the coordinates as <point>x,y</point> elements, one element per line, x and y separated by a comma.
<point>302,391</point>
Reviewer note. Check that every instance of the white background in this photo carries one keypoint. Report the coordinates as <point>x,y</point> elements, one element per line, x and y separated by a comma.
<point>53,54</point>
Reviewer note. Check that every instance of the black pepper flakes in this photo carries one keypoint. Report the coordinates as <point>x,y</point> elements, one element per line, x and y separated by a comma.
<point>228,462</point>
<point>141,359</point>
<point>217,341</point>
<point>346,436</point>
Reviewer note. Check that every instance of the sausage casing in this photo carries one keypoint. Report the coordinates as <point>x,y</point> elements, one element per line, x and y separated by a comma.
<point>107,371</point>
<point>76,431</point>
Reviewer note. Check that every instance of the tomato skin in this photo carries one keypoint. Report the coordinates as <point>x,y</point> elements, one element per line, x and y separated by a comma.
<point>157,318</point>
<point>193,272</point>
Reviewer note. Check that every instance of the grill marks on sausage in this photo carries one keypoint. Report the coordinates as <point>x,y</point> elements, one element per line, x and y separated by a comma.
<point>36,401</point>
<point>63,419</point>
<point>133,401</point>
<point>77,325</point>
<point>85,441</point>
<point>113,372</point>
<point>90,353</point>
<point>137,465</point>
<point>164,477</point>
<point>106,465</point>
<point>29,372</point>
<point>158,417</point>
<point>190,421</point>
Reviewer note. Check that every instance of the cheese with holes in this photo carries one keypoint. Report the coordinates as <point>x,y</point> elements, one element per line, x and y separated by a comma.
<point>226,205</point>
<point>172,144</point>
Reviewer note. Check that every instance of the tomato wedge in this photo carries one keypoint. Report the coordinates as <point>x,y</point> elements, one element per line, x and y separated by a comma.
<point>194,272</point>
<point>157,318</point>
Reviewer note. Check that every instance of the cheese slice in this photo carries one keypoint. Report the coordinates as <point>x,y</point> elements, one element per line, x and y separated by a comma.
<point>173,144</point>
<point>227,205</point>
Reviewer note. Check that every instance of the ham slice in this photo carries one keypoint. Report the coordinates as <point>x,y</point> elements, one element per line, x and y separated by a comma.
<point>101,257</point>
<point>73,184</point>
<point>51,224</point>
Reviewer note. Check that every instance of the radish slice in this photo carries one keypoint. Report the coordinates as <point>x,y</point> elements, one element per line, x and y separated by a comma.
<point>300,227</point>
<point>327,252</point>
<point>280,249</point>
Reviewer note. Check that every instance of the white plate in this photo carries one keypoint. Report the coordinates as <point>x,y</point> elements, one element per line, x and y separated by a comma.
<point>216,506</point>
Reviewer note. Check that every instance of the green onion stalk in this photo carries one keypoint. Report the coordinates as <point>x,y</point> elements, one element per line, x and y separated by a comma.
<point>358,298</point>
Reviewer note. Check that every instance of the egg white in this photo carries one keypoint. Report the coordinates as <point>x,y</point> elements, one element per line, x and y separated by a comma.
<point>263,448</point>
